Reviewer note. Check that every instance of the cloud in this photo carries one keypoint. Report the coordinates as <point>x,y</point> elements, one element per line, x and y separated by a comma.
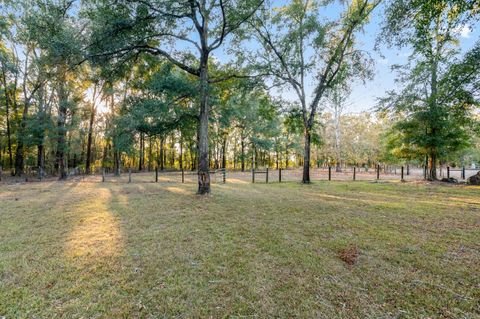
<point>383,61</point>
<point>464,31</point>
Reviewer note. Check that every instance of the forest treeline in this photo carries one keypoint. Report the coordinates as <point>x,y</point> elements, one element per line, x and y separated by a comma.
<point>197,84</point>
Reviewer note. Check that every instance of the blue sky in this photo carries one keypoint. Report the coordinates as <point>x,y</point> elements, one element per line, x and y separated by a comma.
<point>364,95</point>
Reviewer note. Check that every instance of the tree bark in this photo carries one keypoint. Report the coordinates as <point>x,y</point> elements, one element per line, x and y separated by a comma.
<point>116,162</point>
<point>224,152</point>
<point>306,158</point>
<point>7,115</point>
<point>243,152</point>
<point>61,129</point>
<point>150,151</point>
<point>180,158</point>
<point>172,151</point>
<point>162,152</point>
<point>90,134</point>
<point>203,167</point>
<point>142,151</point>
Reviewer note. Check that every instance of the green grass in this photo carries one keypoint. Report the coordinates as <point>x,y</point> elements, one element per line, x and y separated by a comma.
<point>146,250</point>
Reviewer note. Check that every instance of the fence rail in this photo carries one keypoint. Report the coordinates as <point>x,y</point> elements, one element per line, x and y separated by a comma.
<point>267,175</point>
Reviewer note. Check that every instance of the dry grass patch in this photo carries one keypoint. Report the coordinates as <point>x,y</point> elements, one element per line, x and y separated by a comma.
<point>328,250</point>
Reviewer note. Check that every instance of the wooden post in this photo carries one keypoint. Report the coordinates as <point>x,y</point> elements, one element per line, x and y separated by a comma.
<point>266,176</point>
<point>129,175</point>
<point>183,176</point>
<point>448,171</point>
<point>103,175</point>
<point>408,169</point>
<point>354,172</point>
<point>378,172</point>
<point>329,173</point>
<point>156,174</point>
<point>280,175</point>
<point>402,175</point>
<point>463,172</point>
<point>253,175</point>
<point>224,172</point>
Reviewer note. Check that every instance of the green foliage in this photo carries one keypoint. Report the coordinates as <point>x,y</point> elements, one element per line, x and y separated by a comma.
<point>434,110</point>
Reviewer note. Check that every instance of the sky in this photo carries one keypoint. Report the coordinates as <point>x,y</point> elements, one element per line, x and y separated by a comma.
<point>364,96</point>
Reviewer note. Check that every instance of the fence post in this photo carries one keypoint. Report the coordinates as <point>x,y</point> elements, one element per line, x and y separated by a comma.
<point>253,175</point>
<point>329,173</point>
<point>266,176</point>
<point>183,176</point>
<point>402,175</point>
<point>280,175</point>
<point>448,171</point>
<point>378,171</point>
<point>224,172</point>
<point>129,175</point>
<point>156,174</point>
<point>463,172</point>
<point>103,175</point>
<point>354,172</point>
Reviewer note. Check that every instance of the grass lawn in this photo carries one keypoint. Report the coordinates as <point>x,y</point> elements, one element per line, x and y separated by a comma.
<point>326,250</point>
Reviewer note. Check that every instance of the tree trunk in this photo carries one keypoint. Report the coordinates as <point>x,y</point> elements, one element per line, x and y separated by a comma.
<point>150,151</point>
<point>224,152</point>
<point>180,159</point>
<point>172,152</point>
<point>89,138</point>
<point>306,158</point>
<point>162,152</point>
<point>7,115</point>
<point>432,167</point>
<point>277,158</point>
<point>116,162</point>
<point>19,153</point>
<point>142,151</point>
<point>61,129</point>
<point>243,152</point>
<point>41,158</point>
<point>203,167</point>
<point>21,133</point>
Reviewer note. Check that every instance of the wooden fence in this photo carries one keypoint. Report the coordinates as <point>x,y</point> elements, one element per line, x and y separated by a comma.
<point>267,175</point>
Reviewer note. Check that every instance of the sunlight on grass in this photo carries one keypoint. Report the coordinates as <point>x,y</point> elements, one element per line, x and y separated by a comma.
<point>148,250</point>
<point>178,190</point>
<point>238,181</point>
<point>97,233</point>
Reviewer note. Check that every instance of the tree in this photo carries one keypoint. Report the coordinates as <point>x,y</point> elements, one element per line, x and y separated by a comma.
<point>337,106</point>
<point>52,30</point>
<point>295,43</point>
<point>123,29</point>
<point>434,108</point>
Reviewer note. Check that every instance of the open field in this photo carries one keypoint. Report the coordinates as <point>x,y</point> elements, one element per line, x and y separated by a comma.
<point>153,250</point>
